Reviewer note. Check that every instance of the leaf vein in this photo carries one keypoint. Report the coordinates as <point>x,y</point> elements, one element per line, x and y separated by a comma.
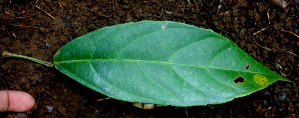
<point>221,82</point>
<point>186,47</point>
<point>155,82</point>
<point>141,37</point>
<point>104,40</point>
<point>92,66</point>
<point>187,81</point>
<point>249,81</point>
<point>219,54</point>
<point>198,66</point>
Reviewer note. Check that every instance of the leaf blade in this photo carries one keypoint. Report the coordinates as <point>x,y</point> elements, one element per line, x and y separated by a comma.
<point>162,62</point>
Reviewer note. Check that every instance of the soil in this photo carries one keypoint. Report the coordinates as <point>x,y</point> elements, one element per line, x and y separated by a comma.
<point>39,28</point>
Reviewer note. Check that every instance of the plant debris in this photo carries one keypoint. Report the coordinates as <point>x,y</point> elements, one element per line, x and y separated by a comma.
<point>281,3</point>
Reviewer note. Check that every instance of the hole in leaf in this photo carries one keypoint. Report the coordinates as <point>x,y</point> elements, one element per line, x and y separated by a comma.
<point>239,79</point>
<point>247,67</point>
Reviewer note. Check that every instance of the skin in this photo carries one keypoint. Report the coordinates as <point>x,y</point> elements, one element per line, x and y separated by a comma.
<point>15,101</point>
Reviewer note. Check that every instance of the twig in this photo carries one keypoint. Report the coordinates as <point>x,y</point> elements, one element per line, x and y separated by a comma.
<point>29,15</point>
<point>45,12</point>
<point>31,27</point>
<point>291,33</point>
<point>280,49</point>
<point>263,47</point>
<point>219,6</point>
<point>290,52</point>
<point>260,31</point>
<point>148,1</point>
<point>61,7</point>
<point>161,13</point>
<point>54,97</point>
<point>150,14</point>
<point>14,35</point>
<point>36,2</point>
<point>103,99</point>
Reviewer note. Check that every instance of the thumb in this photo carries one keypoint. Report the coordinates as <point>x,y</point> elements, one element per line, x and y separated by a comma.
<point>15,101</point>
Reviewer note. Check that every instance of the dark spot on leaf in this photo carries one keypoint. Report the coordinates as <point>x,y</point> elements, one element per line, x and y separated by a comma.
<point>239,79</point>
<point>247,67</point>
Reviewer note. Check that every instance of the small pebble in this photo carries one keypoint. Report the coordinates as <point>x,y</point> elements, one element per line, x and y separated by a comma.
<point>49,108</point>
<point>64,23</point>
<point>47,45</point>
<point>281,98</point>
<point>281,109</point>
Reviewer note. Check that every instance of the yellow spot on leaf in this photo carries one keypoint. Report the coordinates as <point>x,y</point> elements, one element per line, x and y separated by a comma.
<point>260,79</point>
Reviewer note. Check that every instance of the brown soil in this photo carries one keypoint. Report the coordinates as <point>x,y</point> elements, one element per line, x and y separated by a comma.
<point>253,25</point>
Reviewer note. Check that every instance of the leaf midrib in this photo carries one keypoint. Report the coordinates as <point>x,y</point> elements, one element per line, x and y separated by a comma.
<point>168,63</point>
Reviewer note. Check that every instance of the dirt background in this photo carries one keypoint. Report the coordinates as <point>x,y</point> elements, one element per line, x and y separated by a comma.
<point>259,27</point>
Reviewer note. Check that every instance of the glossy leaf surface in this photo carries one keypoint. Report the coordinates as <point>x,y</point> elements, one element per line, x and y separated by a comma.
<point>162,62</point>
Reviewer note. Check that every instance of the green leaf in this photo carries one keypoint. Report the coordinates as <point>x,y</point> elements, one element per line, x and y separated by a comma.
<point>162,62</point>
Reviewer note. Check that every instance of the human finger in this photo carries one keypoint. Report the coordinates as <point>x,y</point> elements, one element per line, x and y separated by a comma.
<point>15,101</point>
